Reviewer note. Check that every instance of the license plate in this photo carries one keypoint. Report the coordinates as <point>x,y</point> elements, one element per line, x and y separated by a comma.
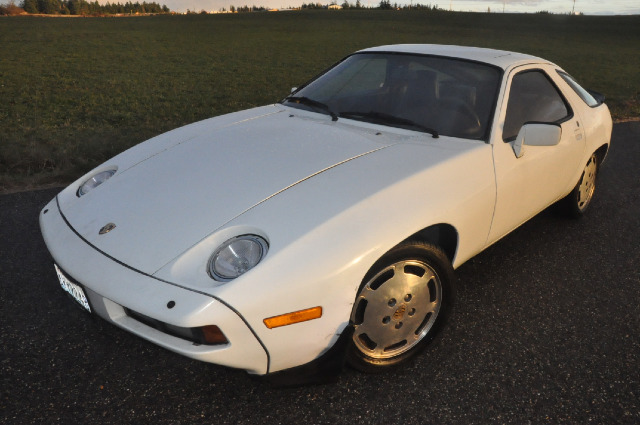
<point>72,289</point>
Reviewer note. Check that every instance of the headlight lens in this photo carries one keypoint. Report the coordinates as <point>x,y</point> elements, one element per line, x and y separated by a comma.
<point>237,256</point>
<point>95,181</point>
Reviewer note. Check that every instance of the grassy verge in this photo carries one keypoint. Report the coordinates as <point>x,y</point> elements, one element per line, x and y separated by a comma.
<point>74,92</point>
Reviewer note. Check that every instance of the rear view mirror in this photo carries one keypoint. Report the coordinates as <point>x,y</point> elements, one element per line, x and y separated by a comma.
<point>536,134</point>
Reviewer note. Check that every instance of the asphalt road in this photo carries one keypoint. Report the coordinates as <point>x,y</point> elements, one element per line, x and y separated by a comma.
<point>547,330</point>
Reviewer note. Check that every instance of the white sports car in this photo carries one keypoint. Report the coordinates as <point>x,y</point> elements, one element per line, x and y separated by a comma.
<point>288,238</point>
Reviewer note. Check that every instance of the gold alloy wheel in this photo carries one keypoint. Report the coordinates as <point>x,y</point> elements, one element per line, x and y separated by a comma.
<point>396,309</point>
<point>587,183</point>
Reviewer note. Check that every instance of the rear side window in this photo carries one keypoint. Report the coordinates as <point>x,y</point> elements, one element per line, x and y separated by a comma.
<point>580,91</point>
<point>533,98</point>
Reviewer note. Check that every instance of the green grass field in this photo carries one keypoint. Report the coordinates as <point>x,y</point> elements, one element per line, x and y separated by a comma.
<point>76,91</point>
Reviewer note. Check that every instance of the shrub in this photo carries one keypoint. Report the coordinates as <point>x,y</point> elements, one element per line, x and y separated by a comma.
<point>10,9</point>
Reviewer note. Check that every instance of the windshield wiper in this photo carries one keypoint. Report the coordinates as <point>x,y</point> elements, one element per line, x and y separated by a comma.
<point>382,118</point>
<point>314,104</point>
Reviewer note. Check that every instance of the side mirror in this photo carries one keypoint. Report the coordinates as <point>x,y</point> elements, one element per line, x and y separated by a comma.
<point>536,134</point>
<point>293,89</point>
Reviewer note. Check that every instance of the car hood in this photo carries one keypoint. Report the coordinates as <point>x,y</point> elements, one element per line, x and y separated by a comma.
<point>171,192</point>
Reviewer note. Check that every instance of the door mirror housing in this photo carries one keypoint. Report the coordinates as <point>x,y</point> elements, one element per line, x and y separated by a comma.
<point>536,134</point>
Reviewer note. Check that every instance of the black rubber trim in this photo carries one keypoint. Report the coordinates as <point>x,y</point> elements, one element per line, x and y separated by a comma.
<point>167,282</point>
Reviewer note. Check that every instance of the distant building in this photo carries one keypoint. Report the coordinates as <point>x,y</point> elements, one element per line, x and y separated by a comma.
<point>335,6</point>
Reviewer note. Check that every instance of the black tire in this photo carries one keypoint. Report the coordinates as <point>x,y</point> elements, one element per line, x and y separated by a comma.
<point>576,203</point>
<point>403,301</point>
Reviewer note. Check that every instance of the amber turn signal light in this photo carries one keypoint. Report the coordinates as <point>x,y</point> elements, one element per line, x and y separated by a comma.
<point>294,317</point>
<point>213,335</point>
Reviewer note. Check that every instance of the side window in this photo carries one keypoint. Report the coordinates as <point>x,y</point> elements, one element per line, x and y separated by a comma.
<point>532,98</point>
<point>584,94</point>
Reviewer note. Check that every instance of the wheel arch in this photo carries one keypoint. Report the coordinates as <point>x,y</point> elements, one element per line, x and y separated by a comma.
<point>601,153</point>
<point>442,235</point>
<point>374,353</point>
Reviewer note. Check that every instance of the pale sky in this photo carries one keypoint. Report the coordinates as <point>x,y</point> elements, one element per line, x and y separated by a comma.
<point>588,7</point>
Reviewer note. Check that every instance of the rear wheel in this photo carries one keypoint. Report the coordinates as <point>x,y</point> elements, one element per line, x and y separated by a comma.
<point>403,302</point>
<point>576,203</point>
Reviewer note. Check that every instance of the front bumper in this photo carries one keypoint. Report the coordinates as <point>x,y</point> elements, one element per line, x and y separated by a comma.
<point>112,287</point>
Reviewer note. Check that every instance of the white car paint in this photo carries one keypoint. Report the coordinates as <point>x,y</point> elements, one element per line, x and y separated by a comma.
<point>330,197</point>
<point>544,174</point>
<point>198,200</point>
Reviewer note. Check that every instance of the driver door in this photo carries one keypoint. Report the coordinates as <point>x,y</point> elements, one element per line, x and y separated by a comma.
<point>542,175</point>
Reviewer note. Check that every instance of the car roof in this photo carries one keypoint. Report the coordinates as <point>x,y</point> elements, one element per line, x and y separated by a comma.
<point>500,58</point>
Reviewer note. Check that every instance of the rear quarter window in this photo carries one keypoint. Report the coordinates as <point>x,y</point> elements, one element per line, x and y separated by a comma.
<point>580,91</point>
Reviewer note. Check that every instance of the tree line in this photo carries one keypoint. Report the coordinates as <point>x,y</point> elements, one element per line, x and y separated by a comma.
<point>384,5</point>
<point>87,8</point>
<point>233,9</point>
<point>82,7</point>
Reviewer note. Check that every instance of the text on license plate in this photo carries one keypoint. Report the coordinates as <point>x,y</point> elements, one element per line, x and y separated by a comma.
<point>74,290</point>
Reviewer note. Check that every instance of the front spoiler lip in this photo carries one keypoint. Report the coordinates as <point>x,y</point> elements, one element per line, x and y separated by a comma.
<point>48,226</point>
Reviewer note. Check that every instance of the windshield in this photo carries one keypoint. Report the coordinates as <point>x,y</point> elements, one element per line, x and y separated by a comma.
<point>441,96</point>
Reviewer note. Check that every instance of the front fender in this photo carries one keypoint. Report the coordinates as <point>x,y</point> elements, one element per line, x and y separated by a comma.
<point>326,233</point>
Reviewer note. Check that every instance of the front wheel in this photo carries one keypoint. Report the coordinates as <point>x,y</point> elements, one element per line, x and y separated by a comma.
<point>576,203</point>
<point>402,303</point>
